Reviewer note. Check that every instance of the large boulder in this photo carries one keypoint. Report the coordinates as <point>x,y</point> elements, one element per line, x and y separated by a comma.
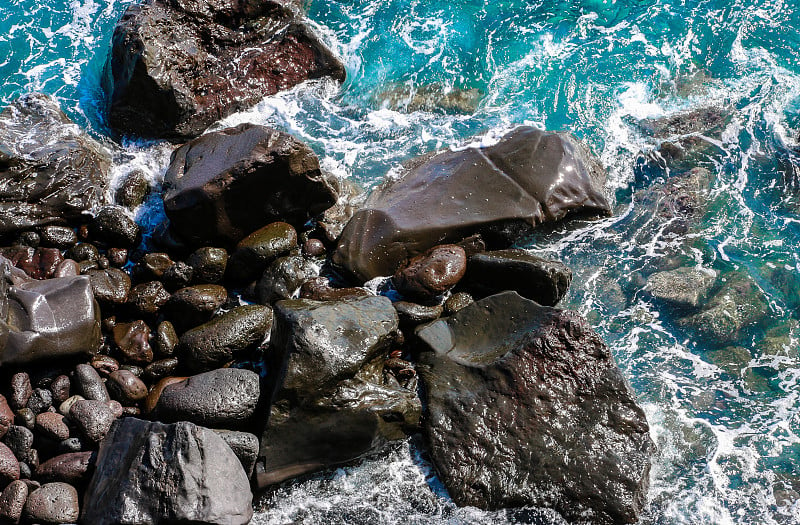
<point>149,472</point>
<point>177,66</point>
<point>225,185</point>
<point>526,406</point>
<point>45,319</point>
<point>530,177</point>
<point>50,169</point>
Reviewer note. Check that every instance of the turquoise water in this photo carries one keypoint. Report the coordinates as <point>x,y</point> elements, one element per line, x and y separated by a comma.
<point>726,422</point>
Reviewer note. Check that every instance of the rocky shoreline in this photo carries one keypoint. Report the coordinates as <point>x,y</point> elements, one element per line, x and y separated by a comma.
<point>169,381</point>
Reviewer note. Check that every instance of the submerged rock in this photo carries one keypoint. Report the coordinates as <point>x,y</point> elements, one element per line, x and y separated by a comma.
<point>149,472</point>
<point>527,407</point>
<point>683,287</point>
<point>431,97</point>
<point>530,177</point>
<point>50,170</point>
<point>225,185</point>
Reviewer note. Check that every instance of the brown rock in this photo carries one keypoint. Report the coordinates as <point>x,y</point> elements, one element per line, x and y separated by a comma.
<point>60,388</point>
<point>52,425</point>
<point>9,465</point>
<point>21,390</point>
<point>319,289</point>
<point>105,364</point>
<point>432,273</point>
<point>6,416</point>
<point>148,298</point>
<point>12,501</point>
<point>53,503</point>
<point>166,338</point>
<point>73,468</point>
<point>133,340</point>
<point>155,393</point>
<point>126,387</point>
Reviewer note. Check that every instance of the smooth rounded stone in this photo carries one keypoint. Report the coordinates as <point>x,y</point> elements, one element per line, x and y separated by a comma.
<point>52,425</point>
<point>118,257</point>
<point>179,275</point>
<point>208,264</point>
<point>6,416</point>
<point>21,390</point>
<point>152,266</point>
<point>19,440</point>
<point>256,251</point>
<point>314,248</point>
<point>319,289</point>
<point>456,302</point>
<point>432,273</point>
<point>67,268</point>
<point>40,400</point>
<point>53,503</point>
<point>283,278</point>
<point>86,266</point>
<point>61,237</point>
<point>160,90</point>
<point>498,191</point>
<point>89,384</point>
<point>134,369</point>
<point>155,393</point>
<point>73,468</point>
<point>166,338</point>
<point>9,465</point>
<point>113,227</point>
<point>84,251</point>
<point>132,190</point>
<point>148,298</point>
<point>104,364</point>
<point>12,501</point>
<point>93,418</point>
<point>585,449</point>
<point>244,445</point>
<point>133,341</point>
<point>542,280</point>
<point>197,478</point>
<point>60,388</point>
<point>52,169</point>
<point>227,184</point>
<point>64,407</point>
<point>126,388</point>
<point>225,396</point>
<point>194,305</point>
<point>683,287</point>
<point>26,418</point>
<point>161,368</point>
<point>73,444</point>
<point>215,343</point>
<point>414,314</point>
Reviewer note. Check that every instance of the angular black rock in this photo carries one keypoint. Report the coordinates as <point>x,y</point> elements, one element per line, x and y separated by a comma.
<point>530,177</point>
<point>526,406</point>
<point>149,472</point>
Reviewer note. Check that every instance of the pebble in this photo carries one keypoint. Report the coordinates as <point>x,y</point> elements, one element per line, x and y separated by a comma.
<point>64,407</point>
<point>194,305</point>
<point>9,465</point>
<point>105,364</point>
<point>413,313</point>
<point>133,340</point>
<point>6,416</point>
<point>314,248</point>
<point>20,440</point>
<point>208,264</point>
<point>93,418</point>
<point>110,286</point>
<point>21,390</point>
<point>60,389</point>
<point>117,257</point>
<point>52,425</point>
<point>61,237</point>
<point>12,501</point>
<point>26,418</point>
<point>53,503</point>
<point>90,384</point>
<point>166,338</point>
<point>73,444</point>
<point>319,289</point>
<point>432,273</point>
<point>84,251</point>
<point>72,468</point>
<point>161,368</point>
<point>147,298</point>
<point>40,400</point>
<point>113,227</point>
<point>67,268</point>
<point>125,387</point>
<point>179,275</point>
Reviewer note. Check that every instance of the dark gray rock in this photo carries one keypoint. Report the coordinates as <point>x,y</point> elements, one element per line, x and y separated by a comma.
<point>90,384</point>
<point>166,338</point>
<point>225,185</point>
<point>161,368</point>
<point>84,251</point>
<point>456,302</point>
<point>60,388</point>
<point>320,289</point>
<point>683,287</point>
<point>149,472</point>
<point>61,237</point>
<point>530,177</point>
<point>283,278</point>
<point>93,418</point>
<point>12,501</point>
<point>132,190</point>
<point>412,314</point>
<point>177,276</point>
<point>53,503</point>
<point>110,286</point>
<point>244,445</point>
<point>542,280</point>
<point>113,227</point>
<point>20,440</point>
<point>215,343</point>
<point>584,448</point>
<point>223,397</point>
<point>194,305</point>
<point>50,169</point>
<point>254,253</point>
<point>147,298</point>
<point>179,66</point>
<point>208,264</point>
<point>432,273</point>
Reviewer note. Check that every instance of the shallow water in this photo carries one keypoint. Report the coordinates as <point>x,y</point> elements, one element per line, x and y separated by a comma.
<point>725,422</point>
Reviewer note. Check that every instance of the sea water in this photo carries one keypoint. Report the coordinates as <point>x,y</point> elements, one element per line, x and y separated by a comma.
<point>725,421</point>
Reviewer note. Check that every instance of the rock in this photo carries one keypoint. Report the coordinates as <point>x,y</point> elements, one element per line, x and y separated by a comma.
<point>161,368</point>
<point>9,466</point>
<point>73,444</point>
<point>45,319</point>
<point>432,273</point>
<point>542,280</point>
<point>50,168</point>
<point>52,425</point>
<point>436,98</point>
<point>84,251</point>
<point>224,185</point>
<point>152,266</point>
<point>53,503</point>
<point>26,417</point>
<point>6,416</point>
<point>110,286</point>
<point>584,449</point>
<point>319,289</point>
<point>499,192</point>
<point>334,219</point>
<point>414,314</point>
<point>112,226</point>
<point>254,253</point>
<point>166,338</point>
<point>177,276</point>
<point>314,248</point>
<point>683,287</point>
<point>54,236</point>
<point>29,238</point>
<point>40,400</point>
<point>21,390</point>
<point>19,440</point>
<point>456,302</point>
<point>12,501</point>
<point>283,278</point>
<point>39,263</point>
<point>93,418</point>
<point>73,468</point>
<point>64,407</point>
<point>147,298</point>
<point>89,383</point>
<point>208,264</point>
<point>222,397</point>
<point>118,257</point>
<point>149,472</point>
<point>126,388</point>
<point>67,268</point>
<point>215,343</point>
<point>194,305</point>
<point>244,445</point>
<point>708,120</point>
<point>132,190</point>
<point>179,66</point>
<point>60,388</point>
<point>104,364</point>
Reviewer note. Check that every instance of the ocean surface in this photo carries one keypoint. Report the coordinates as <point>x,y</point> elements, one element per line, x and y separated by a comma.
<point>428,74</point>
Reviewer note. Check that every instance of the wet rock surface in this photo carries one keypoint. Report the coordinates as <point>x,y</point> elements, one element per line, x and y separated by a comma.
<point>156,473</point>
<point>585,448</point>
<point>683,287</point>
<point>283,278</point>
<point>257,250</point>
<point>432,273</point>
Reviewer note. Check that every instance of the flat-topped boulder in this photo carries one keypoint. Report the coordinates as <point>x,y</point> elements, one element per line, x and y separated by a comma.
<point>178,66</point>
<point>528,178</point>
